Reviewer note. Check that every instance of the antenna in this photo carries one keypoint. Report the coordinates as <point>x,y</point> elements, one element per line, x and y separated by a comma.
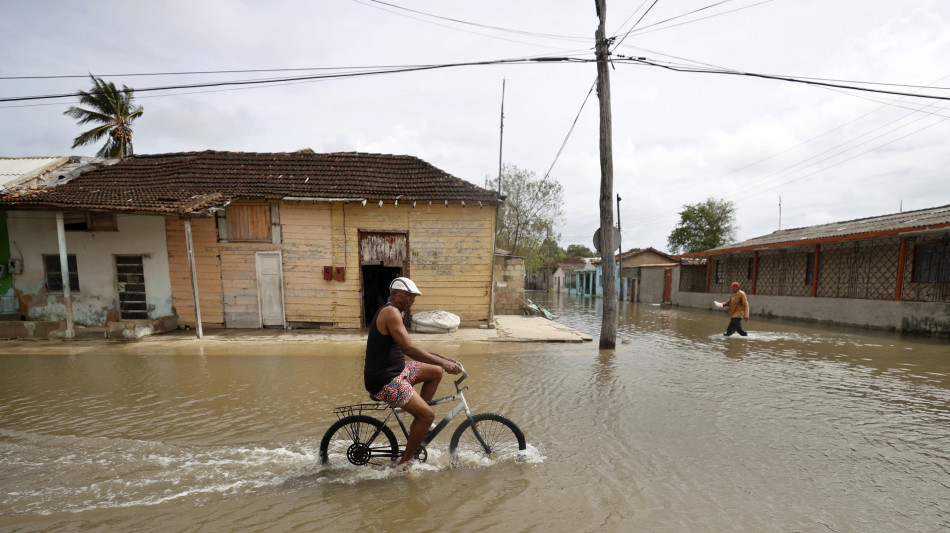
<point>501,136</point>
<point>779,212</point>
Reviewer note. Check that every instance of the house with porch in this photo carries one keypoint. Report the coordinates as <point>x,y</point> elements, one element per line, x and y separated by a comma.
<point>250,240</point>
<point>579,275</point>
<point>889,272</point>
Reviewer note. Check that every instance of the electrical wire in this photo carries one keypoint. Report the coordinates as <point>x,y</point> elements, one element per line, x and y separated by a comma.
<point>639,20</point>
<point>270,81</point>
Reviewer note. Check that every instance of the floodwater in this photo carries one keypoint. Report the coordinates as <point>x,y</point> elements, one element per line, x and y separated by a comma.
<point>797,427</point>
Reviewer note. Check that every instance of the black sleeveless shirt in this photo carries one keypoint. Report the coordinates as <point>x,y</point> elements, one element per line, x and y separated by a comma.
<point>384,358</point>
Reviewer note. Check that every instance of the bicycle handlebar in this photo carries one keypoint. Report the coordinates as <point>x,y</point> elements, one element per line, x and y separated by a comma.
<point>464,375</point>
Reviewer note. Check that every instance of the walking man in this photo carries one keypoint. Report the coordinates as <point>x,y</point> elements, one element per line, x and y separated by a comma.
<point>738,306</point>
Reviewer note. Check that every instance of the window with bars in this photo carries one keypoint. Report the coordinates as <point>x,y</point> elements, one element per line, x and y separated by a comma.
<point>54,273</point>
<point>932,263</point>
<point>720,271</point>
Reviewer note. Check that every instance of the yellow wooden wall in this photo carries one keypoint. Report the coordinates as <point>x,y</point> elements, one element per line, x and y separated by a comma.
<point>450,258</point>
<point>204,236</point>
<point>239,282</point>
<point>450,255</point>
<point>306,229</point>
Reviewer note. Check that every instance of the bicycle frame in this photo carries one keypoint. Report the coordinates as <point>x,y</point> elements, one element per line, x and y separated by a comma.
<point>462,405</point>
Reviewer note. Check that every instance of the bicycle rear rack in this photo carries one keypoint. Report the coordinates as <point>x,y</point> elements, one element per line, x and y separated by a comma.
<point>358,409</point>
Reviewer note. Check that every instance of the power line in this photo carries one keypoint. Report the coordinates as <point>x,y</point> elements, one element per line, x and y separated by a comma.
<point>639,20</point>
<point>792,79</point>
<point>270,81</point>
<point>643,31</point>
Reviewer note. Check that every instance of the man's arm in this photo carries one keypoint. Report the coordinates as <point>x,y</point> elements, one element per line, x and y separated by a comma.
<point>745,305</point>
<point>392,322</point>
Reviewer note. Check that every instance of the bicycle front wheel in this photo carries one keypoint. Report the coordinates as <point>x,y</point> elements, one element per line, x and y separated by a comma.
<point>351,439</point>
<point>502,436</point>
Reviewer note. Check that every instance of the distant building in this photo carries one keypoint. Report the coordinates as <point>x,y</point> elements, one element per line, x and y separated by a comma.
<point>890,272</point>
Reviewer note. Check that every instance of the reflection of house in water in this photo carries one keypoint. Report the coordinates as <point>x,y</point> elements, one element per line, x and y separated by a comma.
<point>890,272</point>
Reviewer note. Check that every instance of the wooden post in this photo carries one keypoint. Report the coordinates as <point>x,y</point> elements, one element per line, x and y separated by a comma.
<point>194,276</point>
<point>608,328</point>
<point>755,270</point>
<point>900,270</point>
<point>64,270</point>
<point>814,274</point>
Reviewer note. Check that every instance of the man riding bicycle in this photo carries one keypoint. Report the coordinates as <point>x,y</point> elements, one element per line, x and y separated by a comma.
<point>387,375</point>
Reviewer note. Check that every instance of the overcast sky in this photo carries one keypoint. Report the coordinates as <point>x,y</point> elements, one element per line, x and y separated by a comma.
<point>678,137</point>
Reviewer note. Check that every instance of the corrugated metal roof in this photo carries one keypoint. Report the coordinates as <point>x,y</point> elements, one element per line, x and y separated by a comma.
<point>893,224</point>
<point>13,170</point>
<point>185,183</point>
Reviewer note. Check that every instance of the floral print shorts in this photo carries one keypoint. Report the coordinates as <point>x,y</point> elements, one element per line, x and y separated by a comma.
<point>398,391</point>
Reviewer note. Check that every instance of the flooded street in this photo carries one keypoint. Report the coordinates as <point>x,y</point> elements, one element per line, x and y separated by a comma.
<point>798,427</point>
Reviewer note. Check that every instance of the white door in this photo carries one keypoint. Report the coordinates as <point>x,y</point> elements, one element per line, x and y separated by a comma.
<point>270,288</point>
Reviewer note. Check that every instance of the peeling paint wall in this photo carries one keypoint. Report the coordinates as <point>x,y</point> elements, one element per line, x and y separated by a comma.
<point>449,250</point>
<point>204,237</point>
<point>33,234</point>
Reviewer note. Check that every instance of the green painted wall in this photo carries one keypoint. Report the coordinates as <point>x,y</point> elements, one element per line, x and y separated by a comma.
<point>8,303</point>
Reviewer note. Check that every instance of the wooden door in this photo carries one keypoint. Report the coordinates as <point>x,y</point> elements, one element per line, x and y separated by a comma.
<point>668,286</point>
<point>270,288</point>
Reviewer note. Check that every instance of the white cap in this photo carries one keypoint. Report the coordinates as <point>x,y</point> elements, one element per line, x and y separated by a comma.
<point>404,284</point>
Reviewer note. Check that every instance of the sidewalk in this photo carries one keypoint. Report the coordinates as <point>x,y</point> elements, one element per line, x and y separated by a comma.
<point>508,328</point>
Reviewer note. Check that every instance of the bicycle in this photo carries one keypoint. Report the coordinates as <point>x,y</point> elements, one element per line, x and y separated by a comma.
<point>365,440</point>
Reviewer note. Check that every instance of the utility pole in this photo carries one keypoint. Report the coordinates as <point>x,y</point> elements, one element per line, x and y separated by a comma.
<point>608,327</point>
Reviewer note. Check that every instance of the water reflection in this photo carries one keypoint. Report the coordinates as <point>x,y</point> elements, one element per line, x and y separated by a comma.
<point>798,427</point>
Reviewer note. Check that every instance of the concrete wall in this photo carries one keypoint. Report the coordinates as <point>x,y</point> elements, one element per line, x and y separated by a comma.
<point>651,284</point>
<point>509,284</point>
<point>33,234</point>
<point>908,317</point>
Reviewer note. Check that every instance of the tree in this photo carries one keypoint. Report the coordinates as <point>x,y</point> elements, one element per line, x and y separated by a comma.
<point>704,226</point>
<point>579,250</point>
<point>112,111</point>
<point>532,208</point>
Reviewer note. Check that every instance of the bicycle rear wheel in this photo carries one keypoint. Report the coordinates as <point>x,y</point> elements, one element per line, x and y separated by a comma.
<point>348,440</point>
<point>503,437</point>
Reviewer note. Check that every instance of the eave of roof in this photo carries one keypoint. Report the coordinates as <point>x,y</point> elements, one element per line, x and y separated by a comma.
<point>922,220</point>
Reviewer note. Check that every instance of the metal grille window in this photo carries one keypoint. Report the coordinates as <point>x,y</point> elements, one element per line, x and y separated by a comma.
<point>130,276</point>
<point>54,273</point>
<point>720,271</point>
<point>932,263</point>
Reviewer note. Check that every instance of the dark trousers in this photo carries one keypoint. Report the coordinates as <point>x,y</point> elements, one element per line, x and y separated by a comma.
<point>735,324</point>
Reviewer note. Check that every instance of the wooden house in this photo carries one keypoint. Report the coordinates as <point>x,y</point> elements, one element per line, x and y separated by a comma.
<point>257,239</point>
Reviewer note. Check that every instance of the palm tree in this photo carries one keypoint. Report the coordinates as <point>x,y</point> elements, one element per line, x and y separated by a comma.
<point>113,111</point>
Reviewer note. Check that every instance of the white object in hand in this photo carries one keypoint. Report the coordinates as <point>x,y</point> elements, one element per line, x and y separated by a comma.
<point>717,304</point>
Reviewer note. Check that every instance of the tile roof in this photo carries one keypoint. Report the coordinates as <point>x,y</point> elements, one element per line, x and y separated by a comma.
<point>183,183</point>
<point>862,228</point>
